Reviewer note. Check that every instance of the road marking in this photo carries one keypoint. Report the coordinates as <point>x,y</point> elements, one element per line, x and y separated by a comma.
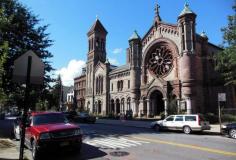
<point>115,143</point>
<point>188,146</point>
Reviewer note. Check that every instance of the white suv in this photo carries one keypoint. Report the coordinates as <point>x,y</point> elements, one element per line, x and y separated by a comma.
<point>186,123</point>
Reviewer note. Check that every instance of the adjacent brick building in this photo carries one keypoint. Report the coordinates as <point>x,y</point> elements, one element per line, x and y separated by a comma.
<point>80,90</point>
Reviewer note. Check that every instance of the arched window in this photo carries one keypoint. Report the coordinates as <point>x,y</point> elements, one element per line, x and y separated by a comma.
<point>121,85</point>
<point>118,85</point>
<point>99,84</point>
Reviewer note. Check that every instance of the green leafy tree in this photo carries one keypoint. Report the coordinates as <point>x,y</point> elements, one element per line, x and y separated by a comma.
<point>56,94</point>
<point>226,60</point>
<point>22,31</point>
<point>3,58</point>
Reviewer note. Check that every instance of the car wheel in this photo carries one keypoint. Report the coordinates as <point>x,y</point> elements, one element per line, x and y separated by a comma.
<point>232,133</point>
<point>156,128</point>
<point>187,129</point>
<point>35,152</point>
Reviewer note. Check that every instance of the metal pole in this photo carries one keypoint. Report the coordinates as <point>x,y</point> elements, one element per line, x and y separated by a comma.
<point>219,114</point>
<point>27,90</point>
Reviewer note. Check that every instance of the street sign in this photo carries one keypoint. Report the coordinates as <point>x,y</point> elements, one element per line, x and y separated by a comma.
<point>221,97</point>
<point>20,69</point>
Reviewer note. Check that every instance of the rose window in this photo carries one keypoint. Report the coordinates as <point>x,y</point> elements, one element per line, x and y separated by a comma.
<point>160,61</point>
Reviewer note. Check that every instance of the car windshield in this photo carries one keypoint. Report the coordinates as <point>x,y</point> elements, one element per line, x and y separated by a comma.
<point>49,119</point>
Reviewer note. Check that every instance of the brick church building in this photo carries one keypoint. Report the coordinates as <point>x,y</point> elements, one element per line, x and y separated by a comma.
<point>169,69</point>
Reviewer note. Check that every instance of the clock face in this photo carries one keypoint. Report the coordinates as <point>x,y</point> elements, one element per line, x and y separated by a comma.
<point>160,61</point>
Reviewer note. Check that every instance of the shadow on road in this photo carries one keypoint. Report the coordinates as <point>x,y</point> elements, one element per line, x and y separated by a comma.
<point>87,152</point>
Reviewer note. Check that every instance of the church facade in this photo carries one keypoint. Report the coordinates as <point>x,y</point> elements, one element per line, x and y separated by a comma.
<point>168,70</point>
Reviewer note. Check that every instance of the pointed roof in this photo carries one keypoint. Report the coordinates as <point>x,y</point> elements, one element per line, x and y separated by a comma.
<point>186,10</point>
<point>134,36</point>
<point>97,26</point>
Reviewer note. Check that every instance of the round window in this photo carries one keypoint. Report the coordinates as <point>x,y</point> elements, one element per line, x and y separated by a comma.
<point>160,61</point>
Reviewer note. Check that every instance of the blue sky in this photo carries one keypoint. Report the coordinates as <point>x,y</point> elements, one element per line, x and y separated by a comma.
<point>70,21</point>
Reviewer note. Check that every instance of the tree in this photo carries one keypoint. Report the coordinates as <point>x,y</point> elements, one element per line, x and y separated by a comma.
<point>22,31</point>
<point>226,60</point>
<point>57,94</point>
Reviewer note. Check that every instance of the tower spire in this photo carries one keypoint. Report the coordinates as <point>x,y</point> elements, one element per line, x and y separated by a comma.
<point>157,15</point>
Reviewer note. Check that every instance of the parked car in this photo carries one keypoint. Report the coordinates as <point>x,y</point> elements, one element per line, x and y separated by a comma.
<point>85,117</point>
<point>70,115</point>
<point>229,129</point>
<point>186,123</point>
<point>50,130</point>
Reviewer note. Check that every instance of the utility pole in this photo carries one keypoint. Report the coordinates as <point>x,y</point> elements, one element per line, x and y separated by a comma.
<point>26,107</point>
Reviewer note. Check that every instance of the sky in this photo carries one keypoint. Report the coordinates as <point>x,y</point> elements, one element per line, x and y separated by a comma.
<point>70,20</point>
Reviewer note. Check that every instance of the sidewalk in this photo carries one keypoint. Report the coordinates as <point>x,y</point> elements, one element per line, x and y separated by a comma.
<point>215,129</point>
<point>8,150</point>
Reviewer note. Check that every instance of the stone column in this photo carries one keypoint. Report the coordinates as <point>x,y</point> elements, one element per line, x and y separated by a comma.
<point>148,108</point>
<point>141,107</point>
<point>165,106</point>
<point>115,108</point>
<point>133,107</point>
<point>178,105</point>
<point>189,106</point>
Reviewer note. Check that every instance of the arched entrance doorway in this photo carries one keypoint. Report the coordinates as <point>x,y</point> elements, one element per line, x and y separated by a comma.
<point>99,107</point>
<point>112,107</point>
<point>156,103</point>
<point>117,106</point>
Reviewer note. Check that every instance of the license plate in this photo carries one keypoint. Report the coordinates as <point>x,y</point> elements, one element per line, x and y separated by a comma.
<point>64,144</point>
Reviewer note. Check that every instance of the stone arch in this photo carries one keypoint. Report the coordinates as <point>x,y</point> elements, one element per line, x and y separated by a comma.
<point>156,88</point>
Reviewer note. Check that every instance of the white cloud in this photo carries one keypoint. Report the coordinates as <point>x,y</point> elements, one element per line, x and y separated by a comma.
<point>73,69</point>
<point>113,61</point>
<point>117,50</point>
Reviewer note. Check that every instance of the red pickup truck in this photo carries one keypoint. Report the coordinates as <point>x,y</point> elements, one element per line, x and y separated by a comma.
<point>51,130</point>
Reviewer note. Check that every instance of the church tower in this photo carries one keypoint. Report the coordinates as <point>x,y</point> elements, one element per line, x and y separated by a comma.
<point>135,53</point>
<point>186,24</point>
<point>96,52</point>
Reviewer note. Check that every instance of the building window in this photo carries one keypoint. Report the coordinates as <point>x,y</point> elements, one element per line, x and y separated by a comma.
<point>99,85</point>
<point>120,85</point>
<point>160,60</point>
<point>128,83</point>
<point>112,87</point>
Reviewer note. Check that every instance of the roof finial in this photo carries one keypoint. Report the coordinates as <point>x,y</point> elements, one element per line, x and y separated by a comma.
<point>157,16</point>
<point>186,5</point>
<point>96,17</point>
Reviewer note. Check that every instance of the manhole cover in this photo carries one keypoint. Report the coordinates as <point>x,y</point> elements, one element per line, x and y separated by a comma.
<point>119,153</point>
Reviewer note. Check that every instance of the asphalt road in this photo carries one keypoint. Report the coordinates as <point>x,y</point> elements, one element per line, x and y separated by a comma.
<point>106,142</point>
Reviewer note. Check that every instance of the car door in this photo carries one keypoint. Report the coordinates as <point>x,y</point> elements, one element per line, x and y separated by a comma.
<point>179,122</point>
<point>168,123</point>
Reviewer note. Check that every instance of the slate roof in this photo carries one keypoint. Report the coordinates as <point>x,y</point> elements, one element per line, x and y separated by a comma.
<point>97,26</point>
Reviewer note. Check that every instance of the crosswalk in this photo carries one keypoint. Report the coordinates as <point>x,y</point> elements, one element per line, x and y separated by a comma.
<point>114,143</point>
